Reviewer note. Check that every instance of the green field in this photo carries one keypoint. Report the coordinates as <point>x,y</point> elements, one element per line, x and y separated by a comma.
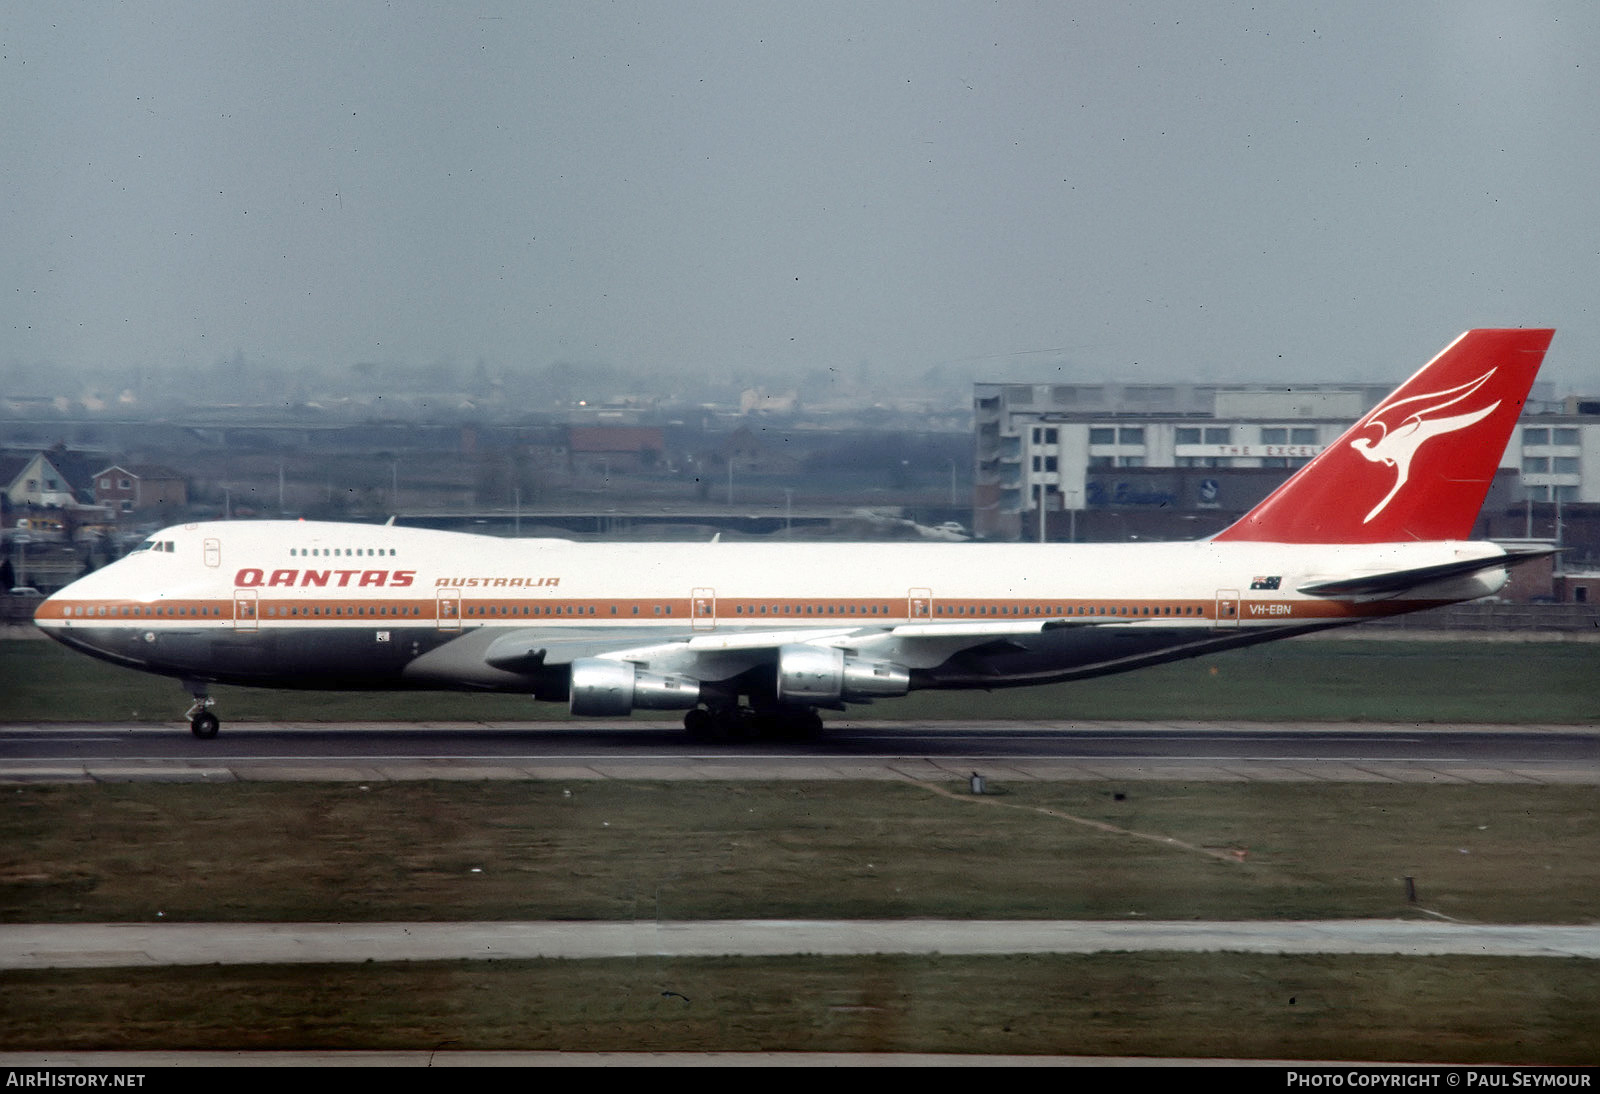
<point>1323,679</point>
<point>588,849</point>
<point>648,851</point>
<point>1448,1010</point>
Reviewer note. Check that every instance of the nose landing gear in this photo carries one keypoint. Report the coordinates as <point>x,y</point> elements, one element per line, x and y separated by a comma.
<point>202,723</point>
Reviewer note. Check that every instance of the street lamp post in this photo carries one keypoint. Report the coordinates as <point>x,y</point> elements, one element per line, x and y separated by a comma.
<point>22,540</point>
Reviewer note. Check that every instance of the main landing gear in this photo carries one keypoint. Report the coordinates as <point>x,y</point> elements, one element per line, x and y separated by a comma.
<point>726,723</point>
<point>202,723</point>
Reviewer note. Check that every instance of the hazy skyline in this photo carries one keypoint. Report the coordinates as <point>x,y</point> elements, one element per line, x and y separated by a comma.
<point>1139,191</point>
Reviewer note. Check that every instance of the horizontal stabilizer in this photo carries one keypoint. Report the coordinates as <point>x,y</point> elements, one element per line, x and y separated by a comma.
<point>1399,581</point>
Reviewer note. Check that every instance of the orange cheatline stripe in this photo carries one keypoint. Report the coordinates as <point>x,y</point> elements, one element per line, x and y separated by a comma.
<point>457,609</point>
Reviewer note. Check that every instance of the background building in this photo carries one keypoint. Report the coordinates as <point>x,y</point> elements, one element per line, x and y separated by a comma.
<point>54,478</point>
<point>1181,461</point>
<point>137,489</point>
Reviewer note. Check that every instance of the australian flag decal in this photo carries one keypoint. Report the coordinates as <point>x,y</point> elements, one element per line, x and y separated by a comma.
<point>1265,582</point>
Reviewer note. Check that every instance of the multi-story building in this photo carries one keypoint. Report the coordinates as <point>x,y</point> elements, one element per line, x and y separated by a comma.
<point>130,489</point>
<point>51,479</point>
<point>1171,461</point>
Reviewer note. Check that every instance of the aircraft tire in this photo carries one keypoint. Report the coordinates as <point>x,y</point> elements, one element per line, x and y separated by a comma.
<point>799,725</point>
<point>205,725</point>
<point>700,724</point>
<point>808,725</point>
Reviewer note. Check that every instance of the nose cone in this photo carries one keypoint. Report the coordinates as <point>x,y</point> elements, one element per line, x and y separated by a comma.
<point>53,618</point>
<point>70,618</point>
<point>63,612</point>
<point>48,615</point>
<point>73,607</point>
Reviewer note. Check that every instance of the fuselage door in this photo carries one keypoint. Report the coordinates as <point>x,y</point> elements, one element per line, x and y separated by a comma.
<point>244,609</point>
<point>1227,608</point>
<point>919,604</point>
<point>449,610</point>
<point>213,553</point>
<point>703,609</point>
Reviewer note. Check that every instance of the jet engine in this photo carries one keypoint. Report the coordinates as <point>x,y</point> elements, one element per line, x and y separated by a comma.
<point>602,688</point>
<point>819,674</point>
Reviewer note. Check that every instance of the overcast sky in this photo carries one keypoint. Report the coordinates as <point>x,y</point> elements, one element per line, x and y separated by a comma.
<point>1147,190</point>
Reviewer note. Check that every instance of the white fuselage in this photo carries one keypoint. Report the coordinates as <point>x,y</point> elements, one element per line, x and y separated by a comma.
<point>326,605</point>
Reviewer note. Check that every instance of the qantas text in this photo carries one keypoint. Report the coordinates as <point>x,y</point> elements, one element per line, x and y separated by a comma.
<point>339,579</point>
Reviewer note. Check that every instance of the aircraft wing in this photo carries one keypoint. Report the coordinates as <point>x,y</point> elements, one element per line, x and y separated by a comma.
<point>725,653</point>
<point>531,649</point>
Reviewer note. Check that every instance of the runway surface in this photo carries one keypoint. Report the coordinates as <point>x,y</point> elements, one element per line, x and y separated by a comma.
<point>850,750</point>
<point>106,945</point>
<point>1318,752</point>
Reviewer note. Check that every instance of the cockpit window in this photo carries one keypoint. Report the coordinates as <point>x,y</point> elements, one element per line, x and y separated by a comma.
<point>154,545</point>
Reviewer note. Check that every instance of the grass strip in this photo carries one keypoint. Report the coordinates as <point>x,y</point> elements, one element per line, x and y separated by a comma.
<point>1461,1010</point>
<point>609,850</point>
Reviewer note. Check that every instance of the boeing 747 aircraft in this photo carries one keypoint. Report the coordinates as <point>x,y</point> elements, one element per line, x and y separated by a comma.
<point>760,637</point>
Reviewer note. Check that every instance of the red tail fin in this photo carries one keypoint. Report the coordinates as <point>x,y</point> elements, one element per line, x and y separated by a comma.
<point>1418,465</point>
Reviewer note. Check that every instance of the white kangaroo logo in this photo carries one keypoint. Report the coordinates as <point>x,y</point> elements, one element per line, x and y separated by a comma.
<point>1397,445</point>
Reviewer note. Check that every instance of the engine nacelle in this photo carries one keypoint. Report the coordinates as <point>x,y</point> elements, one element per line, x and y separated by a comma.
<point>602,689</point>
<point>820,674</point>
